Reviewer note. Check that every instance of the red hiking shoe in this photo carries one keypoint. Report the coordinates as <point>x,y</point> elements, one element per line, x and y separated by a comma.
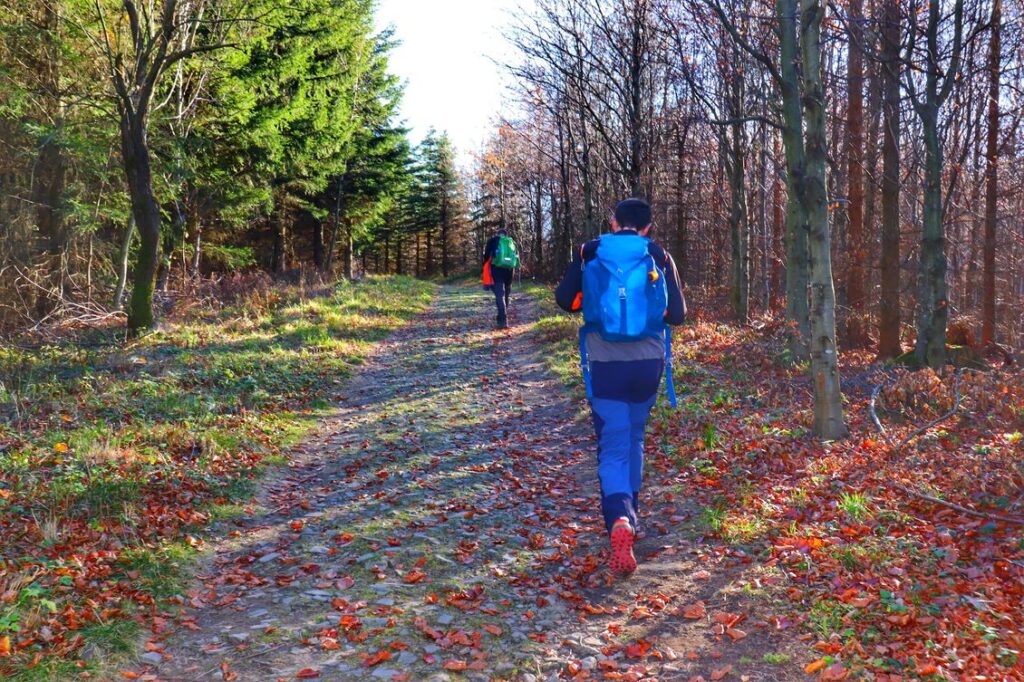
<point>622,560</point>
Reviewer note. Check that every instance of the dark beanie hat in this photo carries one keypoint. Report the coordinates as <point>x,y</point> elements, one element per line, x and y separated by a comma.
<point>633,213</point>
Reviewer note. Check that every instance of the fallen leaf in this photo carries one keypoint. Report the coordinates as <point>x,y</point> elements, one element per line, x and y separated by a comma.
<point>834,673</point>
<point>377,658</point>
<point>814,667</point>
<point>721,673</point>
<point>695,611</point>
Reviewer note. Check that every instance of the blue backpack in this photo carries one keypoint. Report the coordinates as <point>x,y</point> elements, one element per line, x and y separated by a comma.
<point>624,299</point>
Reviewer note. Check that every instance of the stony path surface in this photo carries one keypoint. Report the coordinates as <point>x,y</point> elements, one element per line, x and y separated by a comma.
<point>445,527</point>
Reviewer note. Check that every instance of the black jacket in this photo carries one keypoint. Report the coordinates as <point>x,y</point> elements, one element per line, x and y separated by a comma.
<point>569,289</point>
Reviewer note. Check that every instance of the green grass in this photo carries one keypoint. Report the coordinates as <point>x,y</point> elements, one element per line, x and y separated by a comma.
<point>97,436</point>
<point>777,659</point>
<point>559,332</point>
<point>826,617</point>
<point>855,506</point>
<point>159,571</point>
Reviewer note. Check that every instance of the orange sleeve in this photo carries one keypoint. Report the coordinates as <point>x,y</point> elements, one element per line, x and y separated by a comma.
<point>577,303</point>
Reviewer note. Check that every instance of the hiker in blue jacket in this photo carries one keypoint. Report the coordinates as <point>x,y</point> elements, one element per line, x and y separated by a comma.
<point>628,289</point>
<point>503,257</point>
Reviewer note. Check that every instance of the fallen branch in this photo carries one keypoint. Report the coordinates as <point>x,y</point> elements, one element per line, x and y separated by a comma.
<point>874,415</point>
<point>960,508</point>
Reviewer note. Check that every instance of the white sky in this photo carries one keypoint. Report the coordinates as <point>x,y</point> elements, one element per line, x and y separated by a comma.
<point>445,57</point>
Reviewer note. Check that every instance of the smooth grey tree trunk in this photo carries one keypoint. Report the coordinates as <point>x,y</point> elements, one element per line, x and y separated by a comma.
<point>828,398</point>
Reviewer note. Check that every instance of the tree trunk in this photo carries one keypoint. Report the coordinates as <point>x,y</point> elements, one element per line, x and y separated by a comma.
<point>538,229</point>
<point>739,227</point>
<point>856,331</point>
<point>419,271</point>
<point>51,171</point>
<point>444,233</point>
<point>889,299</point>
<point>429,265</point>
<point>122,263</point>
<point>318,245</point>
<point>778,217</point>
<point>349,251</point>
<point>196,230</point>
<point>828,398</point>
<point>932,302</point>
<point>333,245</point>
<point>139,175</point>
<point>988,327</point>
<point>682,215</point>
<point>277,265</point>
<point>796,218</point>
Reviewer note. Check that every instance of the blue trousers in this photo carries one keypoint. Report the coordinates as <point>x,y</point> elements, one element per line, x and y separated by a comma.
<point>502,291</point>
<point>624,393</point>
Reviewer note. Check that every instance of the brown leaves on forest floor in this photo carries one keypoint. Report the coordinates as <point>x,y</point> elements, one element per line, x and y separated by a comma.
<point>889,583</point>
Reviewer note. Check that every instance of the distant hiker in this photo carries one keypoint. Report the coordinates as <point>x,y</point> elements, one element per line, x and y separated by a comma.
<point>501,257</point>
<point>628,290</point>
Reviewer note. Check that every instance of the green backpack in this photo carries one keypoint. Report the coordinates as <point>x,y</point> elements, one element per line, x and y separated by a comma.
<point>506,255</point>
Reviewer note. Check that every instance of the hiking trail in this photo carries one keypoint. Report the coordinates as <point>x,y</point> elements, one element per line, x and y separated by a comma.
<point>445,525</point>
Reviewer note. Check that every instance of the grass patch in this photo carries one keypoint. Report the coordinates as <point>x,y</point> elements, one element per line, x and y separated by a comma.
<point>826,618</point>
<point>116,452</point>
<point>160,572</point>
<point>111,642</point>
<point>776,659</point>
<point>855,506</point>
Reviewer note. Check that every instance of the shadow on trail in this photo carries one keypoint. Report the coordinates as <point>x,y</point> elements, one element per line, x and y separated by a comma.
<point>445,523</point>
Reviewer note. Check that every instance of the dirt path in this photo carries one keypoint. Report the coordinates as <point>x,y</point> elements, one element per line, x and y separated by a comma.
<point>445,527</point>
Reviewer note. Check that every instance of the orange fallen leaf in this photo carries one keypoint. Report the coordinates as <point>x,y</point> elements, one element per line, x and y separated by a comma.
<point>130,674</point>
<point>493,629</point>
<point>727,619</point>
<point>307,674</point>
<point>329,644</point>
<point>814,667</point>
<point>5,646</point>
<point>455,664</point>
<point>735,635</point>
<point>413,577</point>
<point>695,611</point>
<point>721,673</point>
<point>379,657</point>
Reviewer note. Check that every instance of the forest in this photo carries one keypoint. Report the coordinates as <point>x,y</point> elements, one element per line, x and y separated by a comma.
<point>149,148</point>
<point>254,423</point>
